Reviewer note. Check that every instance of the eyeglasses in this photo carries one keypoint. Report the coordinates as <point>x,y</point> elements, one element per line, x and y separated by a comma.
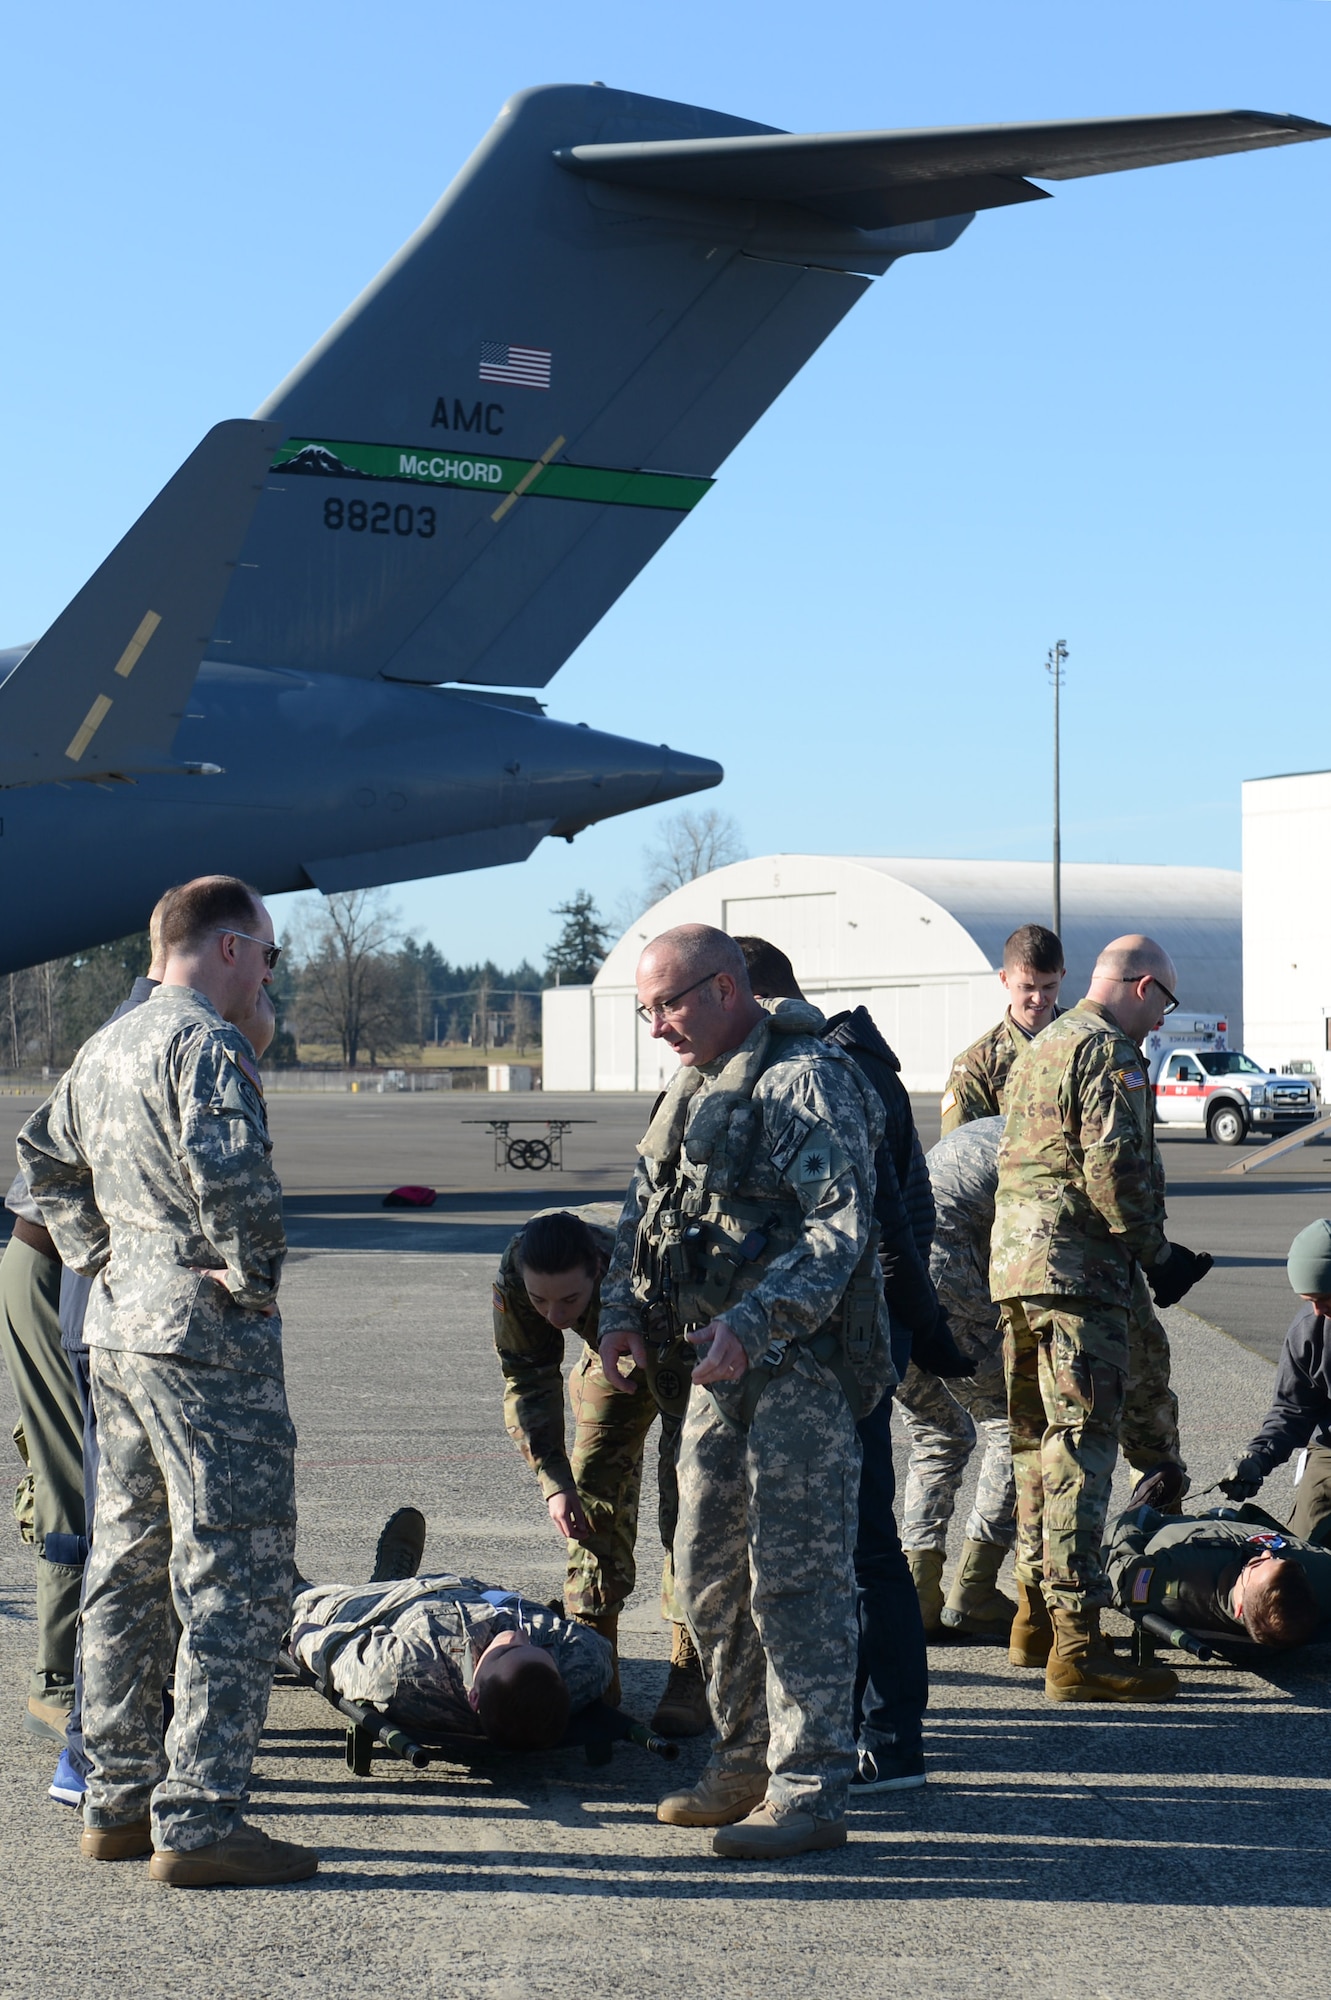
<point>1135,979</point>
<point>271,952</point>
<point>660,1009</point>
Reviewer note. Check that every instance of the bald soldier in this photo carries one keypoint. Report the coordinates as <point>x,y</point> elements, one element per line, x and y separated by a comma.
<point>750,1220</point>
<point>1079,1206</point>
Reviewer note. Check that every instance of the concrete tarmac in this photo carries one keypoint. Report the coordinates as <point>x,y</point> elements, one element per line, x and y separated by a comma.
<point>1056,1851</point>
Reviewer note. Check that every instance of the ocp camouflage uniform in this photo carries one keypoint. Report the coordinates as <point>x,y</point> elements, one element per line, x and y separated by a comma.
<point>769,1152</point>
<point>978,1077</point>
<point>151,1164</point>
<point>1080,1204</point>
<point>941,1418</point>
<point>609,1432</point>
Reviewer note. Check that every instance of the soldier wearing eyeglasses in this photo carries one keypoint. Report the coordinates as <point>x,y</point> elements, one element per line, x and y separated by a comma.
<point>1080,1206</point>
<point>151,1165</point>
<point>750,1222</point>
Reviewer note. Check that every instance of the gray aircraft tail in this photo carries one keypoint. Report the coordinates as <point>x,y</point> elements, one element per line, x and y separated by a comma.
<point>102,693</point>
<point>539,388</point>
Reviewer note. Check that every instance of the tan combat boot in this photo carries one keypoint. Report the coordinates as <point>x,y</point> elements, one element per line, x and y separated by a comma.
<point>975,1605</point>
<point>720,1798</point>
<point>1031,1639</point>
<point>682,1709</point>
<point>607,1624</point>
<point>1082,1668</point>
<point>926,1571</point>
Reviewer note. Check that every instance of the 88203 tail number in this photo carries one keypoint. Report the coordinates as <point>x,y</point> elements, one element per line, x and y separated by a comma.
<point>377,517</point>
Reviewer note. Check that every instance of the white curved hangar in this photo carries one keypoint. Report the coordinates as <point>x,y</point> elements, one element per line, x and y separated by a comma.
<point>917,942</point>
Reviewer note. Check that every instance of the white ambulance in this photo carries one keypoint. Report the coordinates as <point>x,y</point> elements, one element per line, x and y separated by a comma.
<point>1202,1085</point>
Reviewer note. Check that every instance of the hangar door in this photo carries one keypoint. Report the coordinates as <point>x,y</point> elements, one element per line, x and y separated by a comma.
<point>803,927</point>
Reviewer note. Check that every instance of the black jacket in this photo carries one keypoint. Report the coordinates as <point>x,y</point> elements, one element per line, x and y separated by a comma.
<point>1301,1407</point>
<point>903,1201</point>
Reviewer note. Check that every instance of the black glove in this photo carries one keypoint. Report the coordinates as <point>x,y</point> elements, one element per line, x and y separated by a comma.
<point>1162,1488</point>
<point>1241,1480</point>
<point>1178,1274</point>
<point>937,1352</point>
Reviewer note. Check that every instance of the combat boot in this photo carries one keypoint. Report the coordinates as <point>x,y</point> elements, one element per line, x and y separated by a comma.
<point>117,1843</point>
<point>607,1624</point>
<point>247,1858</point>
<point>1031,1639</point>
<point>926,1571</point>
<point>682,1709</point>
<point>400,1548</point>
<point>1082,1668</point>
<point>719,1798</point>
<point>975,1605</point>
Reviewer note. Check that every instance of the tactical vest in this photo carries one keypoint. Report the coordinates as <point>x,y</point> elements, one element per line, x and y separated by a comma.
<point>707,1236</point>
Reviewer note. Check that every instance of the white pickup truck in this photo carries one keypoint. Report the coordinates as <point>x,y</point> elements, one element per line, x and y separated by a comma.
<point>1227,1095</point>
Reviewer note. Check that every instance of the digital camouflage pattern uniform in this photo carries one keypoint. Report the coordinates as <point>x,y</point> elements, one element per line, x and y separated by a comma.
<point>978,1077</point>
<point>781,1132</point>
<point>411,1648</point>
<point>941,1418</point>
<point>151,1164</point>
<point>609,1432</point>
<point>1080,1204</point>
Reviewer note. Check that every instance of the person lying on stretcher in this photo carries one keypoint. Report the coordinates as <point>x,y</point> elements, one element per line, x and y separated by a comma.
<point>1232,1575</point>
<point>448,1655</point>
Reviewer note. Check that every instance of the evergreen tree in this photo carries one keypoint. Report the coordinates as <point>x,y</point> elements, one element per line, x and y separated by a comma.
<point>578,953</point>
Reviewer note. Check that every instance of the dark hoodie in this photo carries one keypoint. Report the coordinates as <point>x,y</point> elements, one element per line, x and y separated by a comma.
<point>903,1201</point>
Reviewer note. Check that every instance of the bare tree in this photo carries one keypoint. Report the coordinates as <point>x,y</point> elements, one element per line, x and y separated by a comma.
<point>350,979</point>
<point>688,845</point>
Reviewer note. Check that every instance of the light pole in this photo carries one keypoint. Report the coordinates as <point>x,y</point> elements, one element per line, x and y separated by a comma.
<point>1053,666</point>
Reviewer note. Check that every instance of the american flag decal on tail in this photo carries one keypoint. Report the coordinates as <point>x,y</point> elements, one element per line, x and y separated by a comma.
<point>528,367</point>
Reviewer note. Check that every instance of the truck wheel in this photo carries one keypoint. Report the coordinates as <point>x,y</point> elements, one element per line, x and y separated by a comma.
<point>1227,1126</point>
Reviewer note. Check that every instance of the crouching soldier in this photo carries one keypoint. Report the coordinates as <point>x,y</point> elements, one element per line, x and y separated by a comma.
<point>549,1282</point>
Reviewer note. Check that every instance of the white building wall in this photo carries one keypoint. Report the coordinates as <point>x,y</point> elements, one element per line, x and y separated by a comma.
<point>915,941</point>
<point>1287,917</point>
<point>566,1038</point>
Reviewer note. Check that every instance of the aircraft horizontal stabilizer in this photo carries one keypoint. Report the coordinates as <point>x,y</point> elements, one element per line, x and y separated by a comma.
<point>876,180</point>
<point>102,693</point>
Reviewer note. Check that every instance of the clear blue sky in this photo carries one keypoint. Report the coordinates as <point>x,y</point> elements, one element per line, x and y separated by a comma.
<point>1102,417</point>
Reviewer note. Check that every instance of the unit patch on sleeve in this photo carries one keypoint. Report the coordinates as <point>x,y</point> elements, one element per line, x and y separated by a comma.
<point>820,1162</point>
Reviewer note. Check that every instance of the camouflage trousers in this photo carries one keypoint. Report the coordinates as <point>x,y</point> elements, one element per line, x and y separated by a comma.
<point>609,1433</point>
<point>766,1583</point>
<point>1148,1431</point>
<point>48,1404</point>
<point>196,1508</point>
<point>941,1421</point>
<point>1067,1363</point>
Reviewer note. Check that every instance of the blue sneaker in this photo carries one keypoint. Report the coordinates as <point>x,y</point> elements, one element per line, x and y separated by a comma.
<point>67,1787</point>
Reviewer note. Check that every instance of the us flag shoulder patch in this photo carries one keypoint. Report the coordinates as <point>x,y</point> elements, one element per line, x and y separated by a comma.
<point>1131,1079</point>
<point>497,1299</point>
<point>1141,1584</point>
<point>247,1069</point>
<point>525,367</point>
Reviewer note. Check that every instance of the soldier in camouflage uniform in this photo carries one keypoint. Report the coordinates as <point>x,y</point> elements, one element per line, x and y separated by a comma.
<point>1080,1204</point>
<point>750,1215</point>
<point>548,1282</point>
<point>941,1418</point>
<point>151,1165</point>
<point>1031,973</point>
